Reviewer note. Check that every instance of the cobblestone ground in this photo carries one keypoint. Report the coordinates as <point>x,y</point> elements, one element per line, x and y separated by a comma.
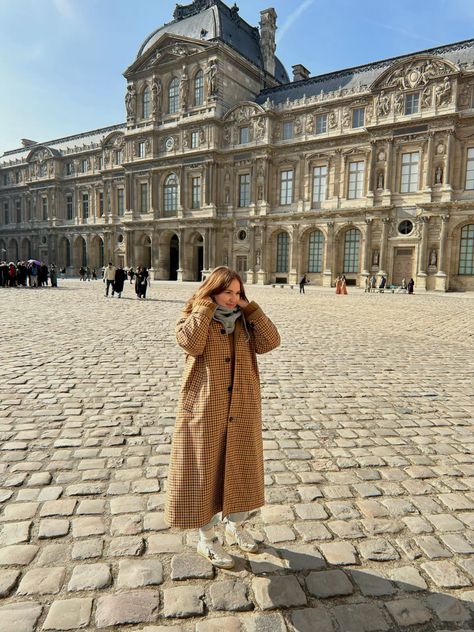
<point>368,427</point>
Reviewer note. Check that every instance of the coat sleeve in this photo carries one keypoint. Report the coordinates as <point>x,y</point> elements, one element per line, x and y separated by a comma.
<point>192,329</point>
<point>265,333</point>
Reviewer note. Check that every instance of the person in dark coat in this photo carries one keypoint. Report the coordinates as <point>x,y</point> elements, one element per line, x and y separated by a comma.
<point>411,286</point>
<point>53,275</point>
<point>141,282</point>
<point>120,278</point>
<point>303,281</point>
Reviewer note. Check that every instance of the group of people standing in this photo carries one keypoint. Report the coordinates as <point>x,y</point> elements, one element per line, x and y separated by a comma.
<point>27,274</point>
<point>115,278</point>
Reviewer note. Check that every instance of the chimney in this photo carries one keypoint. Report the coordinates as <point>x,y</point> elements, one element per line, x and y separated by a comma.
<point>300,72</point>
<point>26,142</point>
<point>268,29</point>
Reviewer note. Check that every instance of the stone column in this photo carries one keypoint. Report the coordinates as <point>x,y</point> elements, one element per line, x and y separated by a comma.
<point>129,249</point>
<point>263,269</point>
<point>383,247</point>
<point>441,276</point>
<point>365,251</point>
<point>181,270</point>
<point>293,275</point>
<point>387,192</point>
<point>250,270</point>
<point>449,160</point>
<point>429,162</point>
<point>329,256</point>
<point>206,250</point>
<point>371,169</point>
<point>421,274</point>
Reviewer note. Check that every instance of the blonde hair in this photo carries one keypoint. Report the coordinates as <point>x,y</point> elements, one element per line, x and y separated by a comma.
<point>218,281</point>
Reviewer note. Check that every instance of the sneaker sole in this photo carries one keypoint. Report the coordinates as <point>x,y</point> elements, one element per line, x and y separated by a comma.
<point>228,566</point>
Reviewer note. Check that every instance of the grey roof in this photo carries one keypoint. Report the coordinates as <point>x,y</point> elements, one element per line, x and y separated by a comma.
<point>69,144</point>
<point>459,53</point>
<point>212,20</point>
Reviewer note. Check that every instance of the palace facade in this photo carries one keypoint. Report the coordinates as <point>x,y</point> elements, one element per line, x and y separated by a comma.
<point>223,160</point>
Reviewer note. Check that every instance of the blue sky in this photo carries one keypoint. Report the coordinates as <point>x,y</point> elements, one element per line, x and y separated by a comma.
<point>61,61</point>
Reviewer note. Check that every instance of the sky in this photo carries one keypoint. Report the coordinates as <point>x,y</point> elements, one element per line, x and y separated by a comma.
<point>62,61</point>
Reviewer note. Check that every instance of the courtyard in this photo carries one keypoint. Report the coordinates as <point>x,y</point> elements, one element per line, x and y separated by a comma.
<point>368,412</point>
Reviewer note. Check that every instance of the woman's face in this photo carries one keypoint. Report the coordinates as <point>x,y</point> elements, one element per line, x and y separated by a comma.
<point>230,296</point>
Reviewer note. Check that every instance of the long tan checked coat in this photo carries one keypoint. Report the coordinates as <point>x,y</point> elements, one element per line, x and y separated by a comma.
<point>217,454</point>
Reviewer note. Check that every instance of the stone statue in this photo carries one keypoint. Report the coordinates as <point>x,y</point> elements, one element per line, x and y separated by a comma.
<point>439,175</point>
<point>332,120</point>
<point>383,104</point>
<point>380,180</point>
<point>398,103</point>
<point>298,126</point>
<point>346,118</point>
<point>131,101</point>
<point>433,257</point>
<point>375,258</point>
<point>426,97</point>
<point>156,90</point>
<point>310,124</point>
<point>445,93</point>
<point>258,257</point>
<point>183,90</point>
<point>260,128</point>
<point>211,77</point>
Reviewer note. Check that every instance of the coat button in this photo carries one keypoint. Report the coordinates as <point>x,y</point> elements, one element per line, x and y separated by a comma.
<point>227,360</point>
<point>229,388</point>
<point>222,331</point>
<point>231,418</point>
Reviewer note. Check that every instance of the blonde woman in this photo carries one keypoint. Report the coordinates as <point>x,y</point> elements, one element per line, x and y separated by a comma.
<point>216,471</point>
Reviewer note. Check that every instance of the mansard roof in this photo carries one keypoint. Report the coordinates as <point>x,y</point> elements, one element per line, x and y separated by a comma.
<point>63,146</point>
<point>212,20</point>
<point>353,79</point>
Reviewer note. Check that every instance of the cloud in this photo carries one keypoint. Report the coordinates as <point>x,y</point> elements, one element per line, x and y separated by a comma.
<point>293,18</point>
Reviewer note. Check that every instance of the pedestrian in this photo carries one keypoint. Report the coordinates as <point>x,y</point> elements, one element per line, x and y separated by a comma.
<point>88,274</point>
<point>216,470</point>
<point>411,286</point>
<point>383,283</point>
<point>120,278</point>
<point>141,282</point>
<point>94,274</point>
<point>367,285</point>
<point>34,275</point>
<point>109,277</point>
<point>343,285</point>
<point>338,285</point>
<point>373,283</point>
<point>53,275</point>
<point>303,281</point>
<point>131,274</point>
<point>82,273</point>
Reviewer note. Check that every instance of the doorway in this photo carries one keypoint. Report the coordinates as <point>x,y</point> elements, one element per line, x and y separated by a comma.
<point>403,265</point>
<point>174,258</point>
<point>200,262</point>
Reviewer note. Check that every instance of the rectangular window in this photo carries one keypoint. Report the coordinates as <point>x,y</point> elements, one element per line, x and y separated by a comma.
<point>320,178</point>
<point>100,163</point>
<point>244,190</point>
<point>28,210</point>
<point>141,149</point>
<point>470,169</point>
<point>101,203</point>
<point>18,211</point>
<point>194,140</point>
<point>412,103</point>
<point>358,117</point>
<point>118,157</point>
<point>409,183</point>
<point>356,180</point>
<point>6,213</point>
<point>321,123</point>
<point>69,208</point>
<point>196,192</point>
<point>5,179</point>
<point>84,165</point>
<point>120,202</point>
<point>69,168</point>
<point>44,204</point>
<point>286,187</point>
<point>143,197</point>
<point>288,130</point>
<point>85,205</point>
<point>244,135</point>
<point>466,251</point>
<point>17,177</point>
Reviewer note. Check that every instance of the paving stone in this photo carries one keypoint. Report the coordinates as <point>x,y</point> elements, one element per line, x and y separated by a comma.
<point>266,561</point>
<point>229,624</point>
<point>42,581</point>
<point>276,533</point>
<point>137,606</point>
<point>361,618</point>
<point>183,602</point>
<point>265,623</point>
<point>311,531</point>
<point>20,511</point>
<point>448,608</point>
<point>18,555</point>
<point>69,614</point>
<point>229,595</point>
<point>8,580</point>
<point>126,525</point>
<point>154,522</point>
<point>310,511</point>
<point>278,592</point>
<point>87,549</point>
<point>372,583</point>
<point>127,504</point>
<point>445,574</point>
<point>408,612</point>
<point>431,547</point>
<point>20,617</point>
<point>126,546</point>
<point>304,620</point>
<point>275,514</point>
<point>91,506</point>
<point>139,573</point>
<point>379,549</point>
<point>191,566</point>
<point>15,533</point>
<point>53,528</point>
<point>164,543</point>
<point>339,553</point>
<point>90,577</point>
<point>58,508</point>
<point>87,526</point>
<point>326,584</point>
<point>408,579</point>
<point>302,557</point>
<point>53,555</point>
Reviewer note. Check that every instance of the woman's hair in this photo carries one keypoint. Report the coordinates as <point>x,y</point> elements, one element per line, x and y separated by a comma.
<point>218,281</point>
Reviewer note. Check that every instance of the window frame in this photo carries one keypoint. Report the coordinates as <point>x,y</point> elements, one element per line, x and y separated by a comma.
<point>282,253</point>
<point>355,180</point>
<point>351,258</point>
<point>85,205</point>
<point>466,251</point>
<point>170,193</point>
<point>315,252</point>
<point>120,201</point>
<point>173,96</point>
<point>244,190</point>
<point>469,163</point>
<point>287,177</point>
<point>408,183</point>
<point>146,102</point>
<point>288,130</point>
<point>360,113</point>
<point>244,133</point>
<point>69,206</point>
<point>320,188</point>
<point>409,98</point>
<point>199,88</point>
<point>321,124</point>
<point>196,192</point>
<point>144,198</point>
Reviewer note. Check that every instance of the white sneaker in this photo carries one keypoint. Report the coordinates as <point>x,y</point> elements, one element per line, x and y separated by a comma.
<point>212,550</point>
<point>241,537</point>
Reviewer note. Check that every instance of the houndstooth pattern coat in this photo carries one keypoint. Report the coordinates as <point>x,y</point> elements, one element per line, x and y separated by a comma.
<point>217,452</point>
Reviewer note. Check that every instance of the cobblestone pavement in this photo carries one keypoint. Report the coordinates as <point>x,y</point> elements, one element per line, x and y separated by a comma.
<point>368,427</point>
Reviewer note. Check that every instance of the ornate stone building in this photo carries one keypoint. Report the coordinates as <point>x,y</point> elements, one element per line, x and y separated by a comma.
<point>224,160</point>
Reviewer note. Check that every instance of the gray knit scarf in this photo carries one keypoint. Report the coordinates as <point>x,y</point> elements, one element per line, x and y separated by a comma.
<point>227,317</point>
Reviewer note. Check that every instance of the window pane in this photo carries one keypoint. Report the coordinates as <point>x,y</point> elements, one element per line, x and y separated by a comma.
<point>244,135</point>
<point>466,251</point>
<point>288,130</point>
<point>470,169</point>
<point>146,102</point>
<point>199,89</point>
<point>351,251</point>
<point>319,183</point>
<point>412,103</point>
<point>143,197</point>
<point>196,193</point>
<point>171,194</point>
<point>173,97</point>
<point>409,179</point>
<point>282,252</point>
<point>120,202</point>
<point>321,124</point>
<point>244,190</point>
<point>358,117</point>
<point>356,180</point>
<point>315,254</point>
<point>286,187</point>
<point>85,205</point>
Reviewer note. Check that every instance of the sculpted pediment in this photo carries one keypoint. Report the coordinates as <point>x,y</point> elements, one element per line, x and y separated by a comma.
<point>243,112</point>
<point>115,140</point>
<point>41,154</point>
<point>414,73</point>
<point>169,48</point>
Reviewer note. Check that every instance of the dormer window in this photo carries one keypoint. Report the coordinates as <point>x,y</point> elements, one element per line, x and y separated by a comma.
<point>173,97</point>
<point>412,103</point>
<point>199,88</point>
<point>244,135</point>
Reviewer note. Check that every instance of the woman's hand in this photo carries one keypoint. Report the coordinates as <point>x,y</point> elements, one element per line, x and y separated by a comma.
<point>242,303</point>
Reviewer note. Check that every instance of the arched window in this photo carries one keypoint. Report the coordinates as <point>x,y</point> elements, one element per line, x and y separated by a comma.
<point>351,251</point>
<point>173,96</point>
<point>68,253</point>
<point>146,102</point>
<point>170,194</point>
<point>199,88</point>
<point>315,252</point>
<point>466,250</point>
<point>282,253</point>
<point>84,253</point>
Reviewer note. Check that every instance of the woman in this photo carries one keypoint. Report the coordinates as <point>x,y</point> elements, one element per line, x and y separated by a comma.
<point>338,285</point>
<point>411,286</point>
<point>120,277</point>
<point>141,282</point>
<point>216,467</point>
<point>343,285</point>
